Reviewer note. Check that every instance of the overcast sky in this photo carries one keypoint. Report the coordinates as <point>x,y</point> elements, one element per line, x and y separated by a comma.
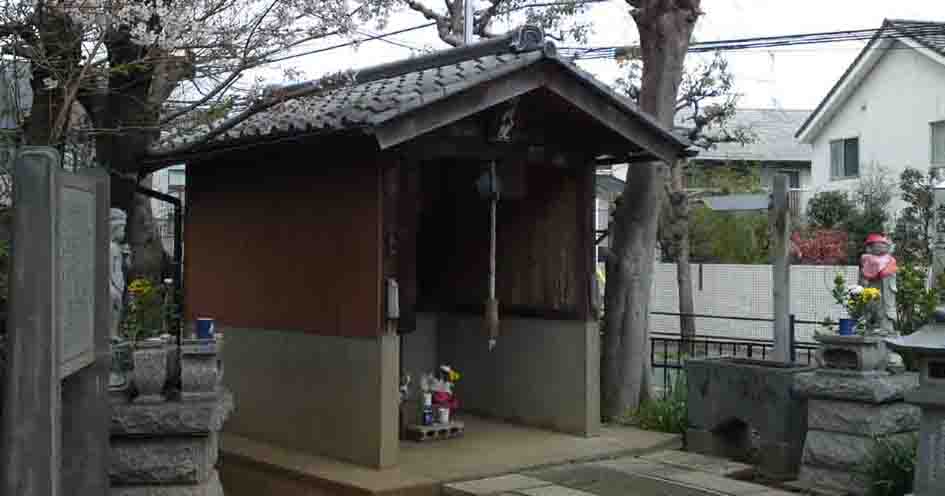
<point>791,77</point>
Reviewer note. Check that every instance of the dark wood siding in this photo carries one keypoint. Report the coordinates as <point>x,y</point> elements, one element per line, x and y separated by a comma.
<point>541,243</point>
<point>285,239</point>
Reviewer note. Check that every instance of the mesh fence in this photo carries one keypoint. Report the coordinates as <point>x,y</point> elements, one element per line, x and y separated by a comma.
<point>723,290</point>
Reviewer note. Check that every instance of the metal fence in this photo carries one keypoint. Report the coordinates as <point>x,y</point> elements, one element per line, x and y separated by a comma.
<point>668,352</point>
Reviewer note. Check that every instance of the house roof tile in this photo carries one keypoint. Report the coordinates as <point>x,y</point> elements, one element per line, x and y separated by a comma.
<point>391,90</point>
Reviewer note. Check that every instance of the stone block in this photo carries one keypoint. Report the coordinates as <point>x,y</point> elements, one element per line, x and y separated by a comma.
<point>730,397</point>
<point>210,488</point>
<point>834,480</point>
<point>700,462</point>
<point>864,419</point>
<point>198,369</point>
<point>176,460</point>
<point>493,485</point>
<point>171,417</point>
<point>855,386</point>
<point>842,451</point>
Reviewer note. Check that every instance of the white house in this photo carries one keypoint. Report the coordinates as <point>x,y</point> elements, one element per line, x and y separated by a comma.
<point>887,110</point>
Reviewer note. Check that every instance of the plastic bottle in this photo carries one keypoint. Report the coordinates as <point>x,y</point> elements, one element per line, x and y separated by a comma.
<point>426,414</point>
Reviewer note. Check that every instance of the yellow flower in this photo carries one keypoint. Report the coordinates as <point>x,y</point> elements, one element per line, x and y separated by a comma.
<point>870,294</point>
<point>453,376</point>
<point>140,287</point>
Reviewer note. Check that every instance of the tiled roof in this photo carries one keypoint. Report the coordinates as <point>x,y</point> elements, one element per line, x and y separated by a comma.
<point>773,133</point>
<point>370,103</point>
<point>929,34</point>
<point>379,98</point>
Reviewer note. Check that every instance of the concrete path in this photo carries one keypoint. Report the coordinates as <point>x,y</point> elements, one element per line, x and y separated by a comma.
<point>664,473</point>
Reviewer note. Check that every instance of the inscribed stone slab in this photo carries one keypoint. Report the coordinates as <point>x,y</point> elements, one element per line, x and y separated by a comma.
<point>76,279</point>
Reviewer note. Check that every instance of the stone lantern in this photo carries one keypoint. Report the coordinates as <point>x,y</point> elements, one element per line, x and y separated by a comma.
<point>927,345</point>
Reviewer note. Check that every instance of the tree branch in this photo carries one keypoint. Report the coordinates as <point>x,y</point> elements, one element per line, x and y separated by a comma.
<point>323,85</point>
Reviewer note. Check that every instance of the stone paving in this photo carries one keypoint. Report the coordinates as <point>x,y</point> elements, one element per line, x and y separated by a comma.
<point>664,473</point>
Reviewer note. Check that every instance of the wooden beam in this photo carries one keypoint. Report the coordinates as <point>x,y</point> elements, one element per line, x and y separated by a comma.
<point>608,114</point>
<point>781,270</point>
<point>438,114</point>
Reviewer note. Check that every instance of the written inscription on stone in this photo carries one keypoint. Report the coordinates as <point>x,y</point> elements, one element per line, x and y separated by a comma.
<point>76,279</point>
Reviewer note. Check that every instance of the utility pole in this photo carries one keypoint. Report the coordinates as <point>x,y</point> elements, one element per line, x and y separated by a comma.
<point>467,22</point>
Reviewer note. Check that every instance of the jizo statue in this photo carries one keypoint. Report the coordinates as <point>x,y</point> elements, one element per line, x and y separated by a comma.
<point>878,270</point>
<point>117,257</point>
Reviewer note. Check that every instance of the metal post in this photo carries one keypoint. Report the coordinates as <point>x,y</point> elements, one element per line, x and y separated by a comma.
<point>792,337</point>
<point>467,22</point>
<point>178,271</point>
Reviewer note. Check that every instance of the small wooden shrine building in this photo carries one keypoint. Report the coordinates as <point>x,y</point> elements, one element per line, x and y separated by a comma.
<point>340,241</point>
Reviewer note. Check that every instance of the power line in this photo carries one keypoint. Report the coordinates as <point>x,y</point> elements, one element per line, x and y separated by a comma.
<point>383,36</point>
<point>913,30</point>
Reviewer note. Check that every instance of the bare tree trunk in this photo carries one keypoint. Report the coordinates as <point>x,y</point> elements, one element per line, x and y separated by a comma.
<point>665,28</point>
<point>679,208</point>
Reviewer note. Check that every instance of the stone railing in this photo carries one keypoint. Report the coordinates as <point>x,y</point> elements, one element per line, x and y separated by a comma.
<point>165,442</point>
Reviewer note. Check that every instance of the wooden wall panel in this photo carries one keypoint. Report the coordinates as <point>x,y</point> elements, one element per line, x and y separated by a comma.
<point>278,240</point>
<point>539,243</point>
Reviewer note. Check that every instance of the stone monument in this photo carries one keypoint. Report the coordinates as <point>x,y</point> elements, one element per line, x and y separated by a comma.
<point>928,346</point>
<point>118,253</point>
<point>55,411</point>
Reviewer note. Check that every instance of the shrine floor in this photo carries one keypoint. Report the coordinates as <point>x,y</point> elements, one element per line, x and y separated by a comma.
<point>489,448</point>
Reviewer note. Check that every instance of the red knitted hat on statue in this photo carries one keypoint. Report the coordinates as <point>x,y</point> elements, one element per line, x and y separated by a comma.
<point>876,238</point>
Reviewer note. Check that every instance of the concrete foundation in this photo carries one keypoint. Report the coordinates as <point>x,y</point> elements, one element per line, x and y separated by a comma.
<point>543,373</point>
<point>324,395</point>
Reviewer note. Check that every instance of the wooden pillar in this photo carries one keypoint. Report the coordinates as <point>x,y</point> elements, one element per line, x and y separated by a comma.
<point>779,221</point>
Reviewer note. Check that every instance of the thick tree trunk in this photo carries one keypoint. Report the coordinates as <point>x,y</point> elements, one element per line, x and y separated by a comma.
<point>665,28</point>
<point>131,106</point>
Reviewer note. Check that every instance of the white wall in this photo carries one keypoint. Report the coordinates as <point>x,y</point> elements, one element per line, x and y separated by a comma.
<point>890,113</point>
<point>745,291</point>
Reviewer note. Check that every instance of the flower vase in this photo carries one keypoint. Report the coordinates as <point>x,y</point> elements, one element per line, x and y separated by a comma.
<point>847,327</point>
<point>150,370</point>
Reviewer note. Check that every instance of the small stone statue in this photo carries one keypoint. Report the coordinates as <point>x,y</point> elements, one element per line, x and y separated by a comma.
<point>878,270</point>
<point>118,255</point>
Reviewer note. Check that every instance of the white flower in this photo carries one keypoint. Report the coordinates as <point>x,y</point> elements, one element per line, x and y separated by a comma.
<point>854,289</point>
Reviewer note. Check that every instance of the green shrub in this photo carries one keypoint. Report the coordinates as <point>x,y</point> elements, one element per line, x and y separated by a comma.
<point>665,414</point>
<point>891,467</point>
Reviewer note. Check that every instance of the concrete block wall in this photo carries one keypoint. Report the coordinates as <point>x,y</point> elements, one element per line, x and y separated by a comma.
<point>543,373</point>
<point>745,291</point>
<point>168,448</point>
<point>325,395</point>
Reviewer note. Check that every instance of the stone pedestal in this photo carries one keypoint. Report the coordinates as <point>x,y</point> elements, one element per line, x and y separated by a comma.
<point>198,369</point>
<point>167,448</point>
<point>863,353</point>
<point>730,397</point>
<point>846,411</point>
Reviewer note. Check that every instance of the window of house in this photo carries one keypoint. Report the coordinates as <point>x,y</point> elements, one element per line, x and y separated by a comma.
<point>844,158</point>
<point>938,143</point>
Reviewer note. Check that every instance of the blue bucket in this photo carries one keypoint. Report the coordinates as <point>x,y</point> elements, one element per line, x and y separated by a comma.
<point>204,328</point>
<point>847,327</point>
